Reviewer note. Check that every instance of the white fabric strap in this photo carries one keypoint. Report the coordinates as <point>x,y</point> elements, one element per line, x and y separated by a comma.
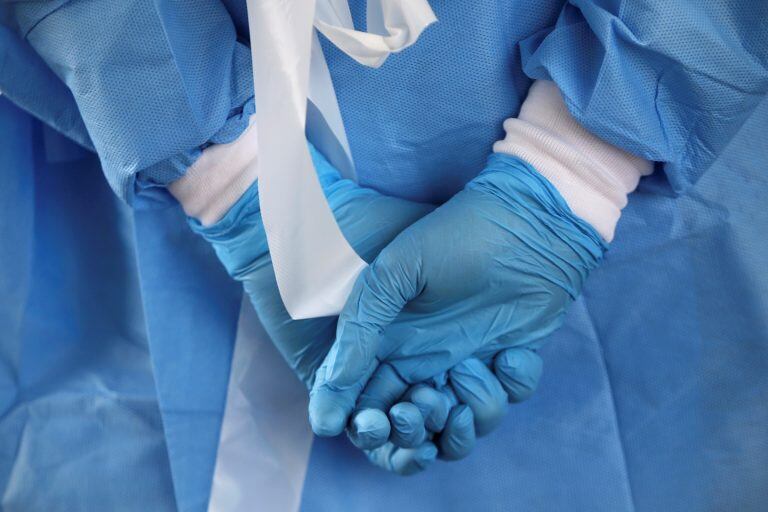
<point>218,178</point>
<point>593,176</point>
<point>265,439</point>
<point>392,26</point>
<point>314,265</point>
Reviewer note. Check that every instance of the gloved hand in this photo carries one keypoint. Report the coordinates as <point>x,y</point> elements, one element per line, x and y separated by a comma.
<point>495,267</point>
<point>369,221</point>
<point>447,412</point>
<point>450,409</point>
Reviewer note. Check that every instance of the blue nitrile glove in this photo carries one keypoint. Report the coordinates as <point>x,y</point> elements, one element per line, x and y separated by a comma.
<point>495,267</point>
<point>369,221</point>
<point>451,410</point>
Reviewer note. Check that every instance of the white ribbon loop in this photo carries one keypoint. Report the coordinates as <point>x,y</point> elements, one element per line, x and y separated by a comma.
<point>314,265</point>
<point>393,25</point>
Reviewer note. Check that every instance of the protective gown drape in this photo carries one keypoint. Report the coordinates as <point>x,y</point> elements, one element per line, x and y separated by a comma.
<point>117,326</point>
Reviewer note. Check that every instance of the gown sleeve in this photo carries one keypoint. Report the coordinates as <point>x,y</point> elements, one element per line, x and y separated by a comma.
<point>154,82</point>
<point>668,80</point>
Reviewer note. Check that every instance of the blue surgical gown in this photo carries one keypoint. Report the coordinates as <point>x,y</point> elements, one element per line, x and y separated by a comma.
<point>118,324</point>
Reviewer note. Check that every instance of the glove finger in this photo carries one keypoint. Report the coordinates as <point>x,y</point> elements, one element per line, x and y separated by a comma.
<point>519,371</point>
<point>458,437</point>
<point>475,385</point>
<point>403,461</point>
<point>379,294</point>
<point>433,404</point>
<point>383,390</point>
<point>329,407</point>
<point>370,427</point>
<point>408,429</point>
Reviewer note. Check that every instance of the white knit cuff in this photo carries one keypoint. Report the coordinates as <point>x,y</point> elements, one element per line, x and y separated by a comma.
<point>214,183</point>
<point>593,176</point>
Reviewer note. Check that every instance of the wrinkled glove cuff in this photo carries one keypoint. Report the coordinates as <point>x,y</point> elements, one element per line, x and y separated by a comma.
<point>238,238</point>
<point>593,176</point>
<point>530,197</point>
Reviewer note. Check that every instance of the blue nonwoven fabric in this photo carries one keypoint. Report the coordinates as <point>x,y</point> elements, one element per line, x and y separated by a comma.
<point>155,82</point>
<point>31,84</point>
<point>660,79</point>
<point>191,309</point>
<point>115,357</point>
<point>423,124</point>
<point>80,428</point>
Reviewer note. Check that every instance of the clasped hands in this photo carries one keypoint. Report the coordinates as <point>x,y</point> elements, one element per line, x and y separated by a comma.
<point>441,331</point>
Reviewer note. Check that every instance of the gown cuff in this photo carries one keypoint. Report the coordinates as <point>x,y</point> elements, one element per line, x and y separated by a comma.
<point>218,178</point>
<point>593,176</point>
